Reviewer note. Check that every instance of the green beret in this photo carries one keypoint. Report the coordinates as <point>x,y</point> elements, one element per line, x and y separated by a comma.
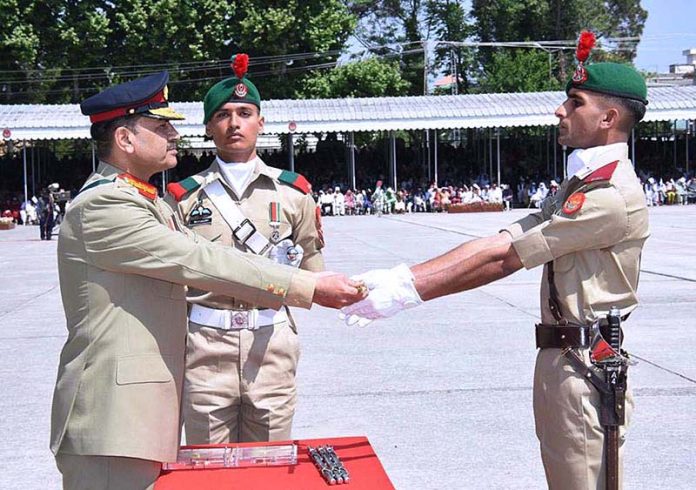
<point>611,79</point>
<point>230,90</point>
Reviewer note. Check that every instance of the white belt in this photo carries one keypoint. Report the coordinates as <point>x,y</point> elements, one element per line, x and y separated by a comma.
<point>236,319</point>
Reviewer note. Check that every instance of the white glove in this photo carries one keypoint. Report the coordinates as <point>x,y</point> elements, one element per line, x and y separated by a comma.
<point>286,252</point>
<point>391,291</point>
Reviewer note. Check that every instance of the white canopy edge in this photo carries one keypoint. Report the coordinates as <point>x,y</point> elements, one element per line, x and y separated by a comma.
<point>42,122</point>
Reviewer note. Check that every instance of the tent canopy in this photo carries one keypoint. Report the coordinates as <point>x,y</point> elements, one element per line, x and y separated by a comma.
<point>36,121</point>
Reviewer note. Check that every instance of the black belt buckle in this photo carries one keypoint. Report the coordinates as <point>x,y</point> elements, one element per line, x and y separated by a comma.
<point>243,237</point>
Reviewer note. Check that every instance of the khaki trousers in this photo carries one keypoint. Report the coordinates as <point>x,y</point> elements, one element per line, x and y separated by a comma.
<point>107,472</point>
<point>239,385</point>
<point>566,413</point>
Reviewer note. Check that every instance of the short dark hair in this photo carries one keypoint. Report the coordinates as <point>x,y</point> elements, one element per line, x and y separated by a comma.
<point>103,132</point>
<point>634,109</point>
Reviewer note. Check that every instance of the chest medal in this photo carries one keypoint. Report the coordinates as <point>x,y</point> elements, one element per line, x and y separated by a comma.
<point>274,221</point>
<point>200,215</point>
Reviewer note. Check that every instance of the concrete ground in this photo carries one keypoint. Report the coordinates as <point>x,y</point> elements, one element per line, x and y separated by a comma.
<point>443,392</point>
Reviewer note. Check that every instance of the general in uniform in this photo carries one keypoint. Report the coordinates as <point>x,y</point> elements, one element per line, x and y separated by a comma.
<point>588,237</point>
<point>123,261</point>
<point>241,357</point>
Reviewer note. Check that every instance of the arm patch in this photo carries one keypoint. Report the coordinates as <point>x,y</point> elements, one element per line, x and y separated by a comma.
<point>183,187</point>
<point>295,180</point>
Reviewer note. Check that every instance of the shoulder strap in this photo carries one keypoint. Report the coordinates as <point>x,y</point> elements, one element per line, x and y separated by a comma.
<point>554,301</point>
<point>295,180</point>
<point>243,230</point>
<point>183,187</point>
<point>94,184</point>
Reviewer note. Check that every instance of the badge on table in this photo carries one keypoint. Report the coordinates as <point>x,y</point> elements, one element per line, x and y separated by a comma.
<point>200,215</point>
<point>574,203</point>
<point>274,220</point>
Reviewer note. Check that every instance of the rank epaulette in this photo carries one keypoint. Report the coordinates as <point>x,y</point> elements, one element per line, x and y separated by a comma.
<point>144,188</point>
<point>183,187</point>
<point>602,173</point>
<point>295,180</point>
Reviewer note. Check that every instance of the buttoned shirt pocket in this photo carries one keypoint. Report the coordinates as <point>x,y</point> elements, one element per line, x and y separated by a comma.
<point>148,368</point>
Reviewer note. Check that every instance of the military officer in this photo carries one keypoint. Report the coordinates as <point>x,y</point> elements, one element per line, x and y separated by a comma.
<point>589,237</point>
<point>241,358</point>
<point>123,261</point>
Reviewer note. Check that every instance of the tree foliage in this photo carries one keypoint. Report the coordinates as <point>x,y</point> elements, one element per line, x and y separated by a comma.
<point>65,50</point>
<point>370,78</point>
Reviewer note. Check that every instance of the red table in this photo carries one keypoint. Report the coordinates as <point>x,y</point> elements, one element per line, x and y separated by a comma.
<point>356,453</point>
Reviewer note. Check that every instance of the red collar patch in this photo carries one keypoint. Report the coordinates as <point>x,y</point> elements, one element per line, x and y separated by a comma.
<point>144,188</point>
<point>602,173</point>
<point>574,203</point>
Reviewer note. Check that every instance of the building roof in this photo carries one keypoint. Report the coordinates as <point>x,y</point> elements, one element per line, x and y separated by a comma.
<point>32,121</point>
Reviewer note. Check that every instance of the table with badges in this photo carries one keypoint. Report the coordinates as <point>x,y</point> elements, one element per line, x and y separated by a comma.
<point>308,464</point>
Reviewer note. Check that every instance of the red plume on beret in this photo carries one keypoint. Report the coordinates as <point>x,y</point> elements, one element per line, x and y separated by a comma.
<point>585,45</point>
<point>240,64</point>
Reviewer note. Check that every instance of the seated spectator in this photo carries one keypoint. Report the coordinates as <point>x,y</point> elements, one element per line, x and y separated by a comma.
<point>350,202</point>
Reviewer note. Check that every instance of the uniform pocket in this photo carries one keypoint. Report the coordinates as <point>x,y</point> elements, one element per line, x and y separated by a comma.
<point>149,368</point>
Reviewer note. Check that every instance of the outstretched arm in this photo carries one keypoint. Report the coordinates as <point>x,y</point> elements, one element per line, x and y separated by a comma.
<point>468,266</point>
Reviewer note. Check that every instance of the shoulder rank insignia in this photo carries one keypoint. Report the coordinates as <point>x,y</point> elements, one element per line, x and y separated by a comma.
<point>602,173</point>
<point>183,187</point>
<point>144,188</point>
<point>574,203</point>
<point>295,180</point>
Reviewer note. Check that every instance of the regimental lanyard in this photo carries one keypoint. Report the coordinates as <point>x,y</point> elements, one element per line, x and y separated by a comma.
<point>242,228</point>
<point>274,220</point>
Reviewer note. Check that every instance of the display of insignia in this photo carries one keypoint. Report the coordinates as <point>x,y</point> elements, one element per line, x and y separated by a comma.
<point>580,75</point>
<point>200,215</point>
<point>291,253</point>
<point>240,90</point>
<point>274,221</point>
<point>574,203</point>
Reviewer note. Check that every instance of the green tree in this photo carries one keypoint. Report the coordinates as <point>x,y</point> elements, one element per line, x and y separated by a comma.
<point>518,70</point>
<point>370,78</point>
<point>554,20</point>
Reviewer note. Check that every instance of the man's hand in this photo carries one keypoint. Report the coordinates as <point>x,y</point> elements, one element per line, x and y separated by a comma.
<point>391,291</point>
<point>336,290</point>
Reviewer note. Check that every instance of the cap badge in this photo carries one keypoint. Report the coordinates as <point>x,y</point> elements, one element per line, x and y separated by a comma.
<point>240,90</point>
<point>580,75</point>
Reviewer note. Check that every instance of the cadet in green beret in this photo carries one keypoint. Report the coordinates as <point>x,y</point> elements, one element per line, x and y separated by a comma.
<point>588,237</point>
<point>241,357</point>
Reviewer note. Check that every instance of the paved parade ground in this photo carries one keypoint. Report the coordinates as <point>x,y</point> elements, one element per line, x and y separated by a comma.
<point>443,392</point>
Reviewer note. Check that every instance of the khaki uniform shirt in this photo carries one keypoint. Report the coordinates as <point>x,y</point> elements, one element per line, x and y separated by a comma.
<point>593,230</point>
<point>122,273</point>
<point>297,220</point>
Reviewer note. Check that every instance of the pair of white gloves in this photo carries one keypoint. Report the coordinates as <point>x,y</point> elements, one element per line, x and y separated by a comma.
<point>390,291</point>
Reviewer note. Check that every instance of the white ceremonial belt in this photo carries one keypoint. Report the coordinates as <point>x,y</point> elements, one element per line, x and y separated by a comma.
<point>252,319</point>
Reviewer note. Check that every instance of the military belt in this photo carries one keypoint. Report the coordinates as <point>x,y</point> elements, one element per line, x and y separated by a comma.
<point>564,336</point>
<point>251,319</point>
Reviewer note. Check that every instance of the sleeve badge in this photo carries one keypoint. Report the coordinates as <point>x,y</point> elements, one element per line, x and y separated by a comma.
<point>574,203</point>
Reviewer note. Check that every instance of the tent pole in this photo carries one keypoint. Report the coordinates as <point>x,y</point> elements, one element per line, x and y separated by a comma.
<point>392,145</point>
<point>555,155</point>
<point>291,152</point>
<point>351,140</point>
<point>94,158</point>
<point>497,135</point>
<point>686,140</point>
<point>26,191</point>
<point>633,146</point>
<point>490,152</point>
<point>435,139</point>
<point>565,162</point>
<point>33,171</point>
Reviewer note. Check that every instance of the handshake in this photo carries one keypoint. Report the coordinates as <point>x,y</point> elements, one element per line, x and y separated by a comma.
<point>379,293</point>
